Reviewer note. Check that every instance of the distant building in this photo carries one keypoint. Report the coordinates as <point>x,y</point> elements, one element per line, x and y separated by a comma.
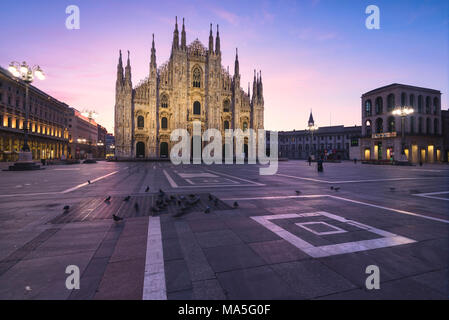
<point>101,142</point>
<point>382,130</point>
<point>83,134</point>
<point>110,145</point>
<point>47,134</point>
<point>445,125</point>
<point>332,142</point>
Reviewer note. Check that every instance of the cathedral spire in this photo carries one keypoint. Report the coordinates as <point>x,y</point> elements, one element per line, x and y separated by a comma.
<point>120,70</point>
<point>153,55</point>
<point>128,72</point>
<point>236,65</point>
<point>311,123</point>
<point>260,86</point>
<point>176,35</point>
<point>183,36</point>
<point>254,87</point>
<point>217,42</point>
<point>211,41</point>
<point>249,92</point>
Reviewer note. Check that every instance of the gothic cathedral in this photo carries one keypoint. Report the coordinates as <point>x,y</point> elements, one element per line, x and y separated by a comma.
<point>191,86</point>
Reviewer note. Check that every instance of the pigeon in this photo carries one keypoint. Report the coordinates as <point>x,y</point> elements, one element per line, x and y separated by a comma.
<point>88,181</point>
<point>236,204</point>
<point>298,192</point>
<point>136,206</point>
<point>66,208</point>
<point>116,218</point>
<point>207,210</point>
<point>107,199</point>
<point>392,189</point>
<point>127,198</point>
<point>332,187</point>
<point>161,193</point>
<point>147,189</point>
<point>155,209</point>
<point>210,197</point>
<point>179,202</point>
<point>216,202</point>
<point>172,197</point>
<point>337,188</point>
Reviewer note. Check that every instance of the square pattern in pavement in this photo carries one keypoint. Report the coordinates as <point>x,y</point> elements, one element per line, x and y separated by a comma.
<point>291,236</point>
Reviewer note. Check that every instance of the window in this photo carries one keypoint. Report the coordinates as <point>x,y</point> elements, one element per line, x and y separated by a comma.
<point>379,105</point>
<point>436,105</point>
<point>245,126</point>
<point>379,125</point>
<point>226,125</point>
<point>196,78</point>
<point>428,128</point>
<point>140,122</point>
<point>164,101</point>
<point>412,124</point>
<point>390,102</point>
<point>391,124</point>
<point>196,107</point>
<point>412,101</point>
<point>226,106</point>
<point>428,105</point>
<point>435,126</point>
<point>368,107</point>
<point>420,103</point>
<point>420,124</point>
<point>164,123</point>
<point>403,99</point>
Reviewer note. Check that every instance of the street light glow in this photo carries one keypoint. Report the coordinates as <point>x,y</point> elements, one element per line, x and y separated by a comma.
<point>402,111</point>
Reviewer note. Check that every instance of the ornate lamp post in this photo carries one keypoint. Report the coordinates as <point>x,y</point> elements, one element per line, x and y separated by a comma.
<point>403,112</point>
<point>26,74</point>
<point>311,129</point>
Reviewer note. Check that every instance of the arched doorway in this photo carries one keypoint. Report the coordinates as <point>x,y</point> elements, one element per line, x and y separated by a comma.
<point>164,150</point>
<point>140,150</point>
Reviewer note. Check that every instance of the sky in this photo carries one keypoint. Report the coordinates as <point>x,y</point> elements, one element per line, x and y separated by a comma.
<point>314,54</point>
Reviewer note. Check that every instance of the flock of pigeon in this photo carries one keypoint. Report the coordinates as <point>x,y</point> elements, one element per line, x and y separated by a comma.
<point>184,203</point>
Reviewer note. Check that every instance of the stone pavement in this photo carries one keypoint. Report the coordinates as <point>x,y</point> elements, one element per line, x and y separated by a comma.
<point>277,244</point>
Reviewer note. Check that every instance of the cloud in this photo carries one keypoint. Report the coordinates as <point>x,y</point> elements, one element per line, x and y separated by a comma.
<point>312,34</point>
<point>228,16</point>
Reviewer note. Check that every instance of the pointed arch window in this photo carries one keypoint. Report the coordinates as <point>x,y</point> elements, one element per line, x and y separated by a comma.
<point>196,83</point>
<point>164,123</point>
<point>140,122</point>
<point>197,108</point>
<point>164,101</point>
<point>226,106</point>
<point>226,125</point>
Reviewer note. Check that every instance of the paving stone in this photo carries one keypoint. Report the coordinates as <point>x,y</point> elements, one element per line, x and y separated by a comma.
<point>310,278</point>
<point>177,275</point>
<point>259,283</point>
<point>217,238</point>
<point>232,257</point>
<point>278,251</point>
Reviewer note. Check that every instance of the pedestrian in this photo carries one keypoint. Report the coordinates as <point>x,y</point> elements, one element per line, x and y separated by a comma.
<point>320,165</point>
<point>310,160</point>
<point>355,160</point>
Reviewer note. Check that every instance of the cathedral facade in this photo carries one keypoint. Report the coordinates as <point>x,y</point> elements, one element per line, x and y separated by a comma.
<point>191,86</point>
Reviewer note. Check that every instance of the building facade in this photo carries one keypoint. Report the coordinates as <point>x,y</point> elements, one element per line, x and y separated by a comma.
<point>83,135</point>
<point>445,125</point>
<point>382,132</point>
<point>331,143</point>
<point>191,86</point>
<point>47,134</point>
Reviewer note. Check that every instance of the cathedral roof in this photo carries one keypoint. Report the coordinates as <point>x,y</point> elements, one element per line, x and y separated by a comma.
<point>196,48</point>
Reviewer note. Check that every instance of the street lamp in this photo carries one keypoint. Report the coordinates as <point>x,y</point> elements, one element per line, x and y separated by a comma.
<point>403,112</point>
<point>311,128</point>
<point>26,74</point>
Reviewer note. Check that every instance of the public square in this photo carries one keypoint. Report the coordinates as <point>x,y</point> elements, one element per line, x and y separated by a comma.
<point>298,234</point>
